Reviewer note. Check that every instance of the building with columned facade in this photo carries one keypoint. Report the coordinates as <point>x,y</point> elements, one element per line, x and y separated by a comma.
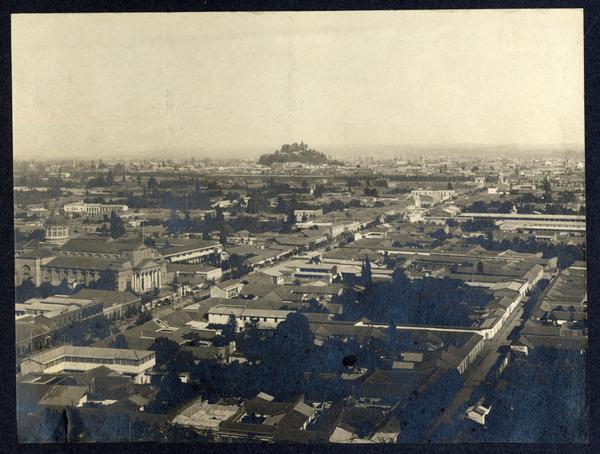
<point>122,264</point>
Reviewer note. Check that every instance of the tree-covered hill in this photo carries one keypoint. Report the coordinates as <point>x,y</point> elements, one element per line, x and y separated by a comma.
<point>296,152</point>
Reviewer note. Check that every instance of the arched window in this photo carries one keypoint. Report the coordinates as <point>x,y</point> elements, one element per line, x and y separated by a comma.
<point>26,272</point>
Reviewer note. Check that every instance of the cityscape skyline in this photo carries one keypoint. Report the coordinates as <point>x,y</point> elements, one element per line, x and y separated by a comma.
<point>306,227</point>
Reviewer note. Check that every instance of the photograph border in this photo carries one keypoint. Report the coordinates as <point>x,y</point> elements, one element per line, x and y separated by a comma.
<point>592,172</point>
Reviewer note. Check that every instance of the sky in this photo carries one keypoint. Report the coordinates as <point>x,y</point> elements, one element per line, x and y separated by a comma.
<point>236,84</point>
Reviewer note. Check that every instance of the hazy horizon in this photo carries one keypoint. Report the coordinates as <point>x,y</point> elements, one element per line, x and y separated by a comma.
<point>382,152</point>
<point>242,84</point>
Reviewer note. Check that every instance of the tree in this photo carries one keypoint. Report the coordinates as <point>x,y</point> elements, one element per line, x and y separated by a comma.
<point>370,192</point>
<point>399,279</point>
<point>296,152</point>
<point>174,223</point>
<point>26,291</point>
<point>251,343</point>
<point>547,189</point>
<point>117,227</point>
<point>315,306</point>
<point>450,186</point>
<point>119,342</point>
<point>480,267</point>
<point>222,237</point>
<point>143,317</point>
<point>166,350</point>
<point>281,206</point>
<point>289,222</point>
<point>172,391</point>
<point>392,338</point>
<point>107,281</point>
<point>318,192</point>
<point>291,344</point>
<point>257,203</point>
<point>230,329</point>
<point>366,274</point>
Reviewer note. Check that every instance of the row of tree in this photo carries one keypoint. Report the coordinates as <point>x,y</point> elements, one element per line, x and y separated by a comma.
<point>426,301</point>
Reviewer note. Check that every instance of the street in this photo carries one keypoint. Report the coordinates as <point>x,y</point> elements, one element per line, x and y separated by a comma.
<point>480,368</point>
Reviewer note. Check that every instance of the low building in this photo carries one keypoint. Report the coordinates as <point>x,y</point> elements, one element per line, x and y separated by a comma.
<point>202,273</point>
<point>265,318</point>
<point>226,289</point>
<point>33,333</point>
<point>114,304</point>
<point>478,412</point>
<point>308,214</point>
<point>53,395</point>
<point>241,237</point>
<point>203,416</point>
<point>62,310</point>
<point>262,419</point>
<point>315,272</point>
<point>67,358</point>
<point>188,250</point>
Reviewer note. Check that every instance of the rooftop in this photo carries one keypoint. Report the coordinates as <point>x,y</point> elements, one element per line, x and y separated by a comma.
<point>89,352</point>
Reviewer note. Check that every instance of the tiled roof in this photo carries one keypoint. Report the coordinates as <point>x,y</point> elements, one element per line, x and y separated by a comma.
<point>38,254</point>
<point>108,297</point>
<point>100,245</point>
<point>183,245</point>
<point>91,352</point>
<point>86,263</point>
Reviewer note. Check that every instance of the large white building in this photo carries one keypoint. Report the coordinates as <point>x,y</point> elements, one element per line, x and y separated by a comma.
<point>515,221</point>
<point>425,198</point>
<point>183,250</point>
<point>93,209</point>
<point>67,358</point>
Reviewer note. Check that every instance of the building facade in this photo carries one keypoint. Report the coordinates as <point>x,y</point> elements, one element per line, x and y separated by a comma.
<point>66,358</point>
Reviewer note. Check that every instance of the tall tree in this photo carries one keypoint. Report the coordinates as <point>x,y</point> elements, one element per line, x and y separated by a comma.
<point>117,227</point>
<point>119,342</point>
<point>365,273</point>
<point>174,223</point>
<point>547,189</point>
<point>230,328</point>
<point>392,338</point>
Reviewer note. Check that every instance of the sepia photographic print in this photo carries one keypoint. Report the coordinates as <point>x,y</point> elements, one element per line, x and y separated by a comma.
<point>334,227</point>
